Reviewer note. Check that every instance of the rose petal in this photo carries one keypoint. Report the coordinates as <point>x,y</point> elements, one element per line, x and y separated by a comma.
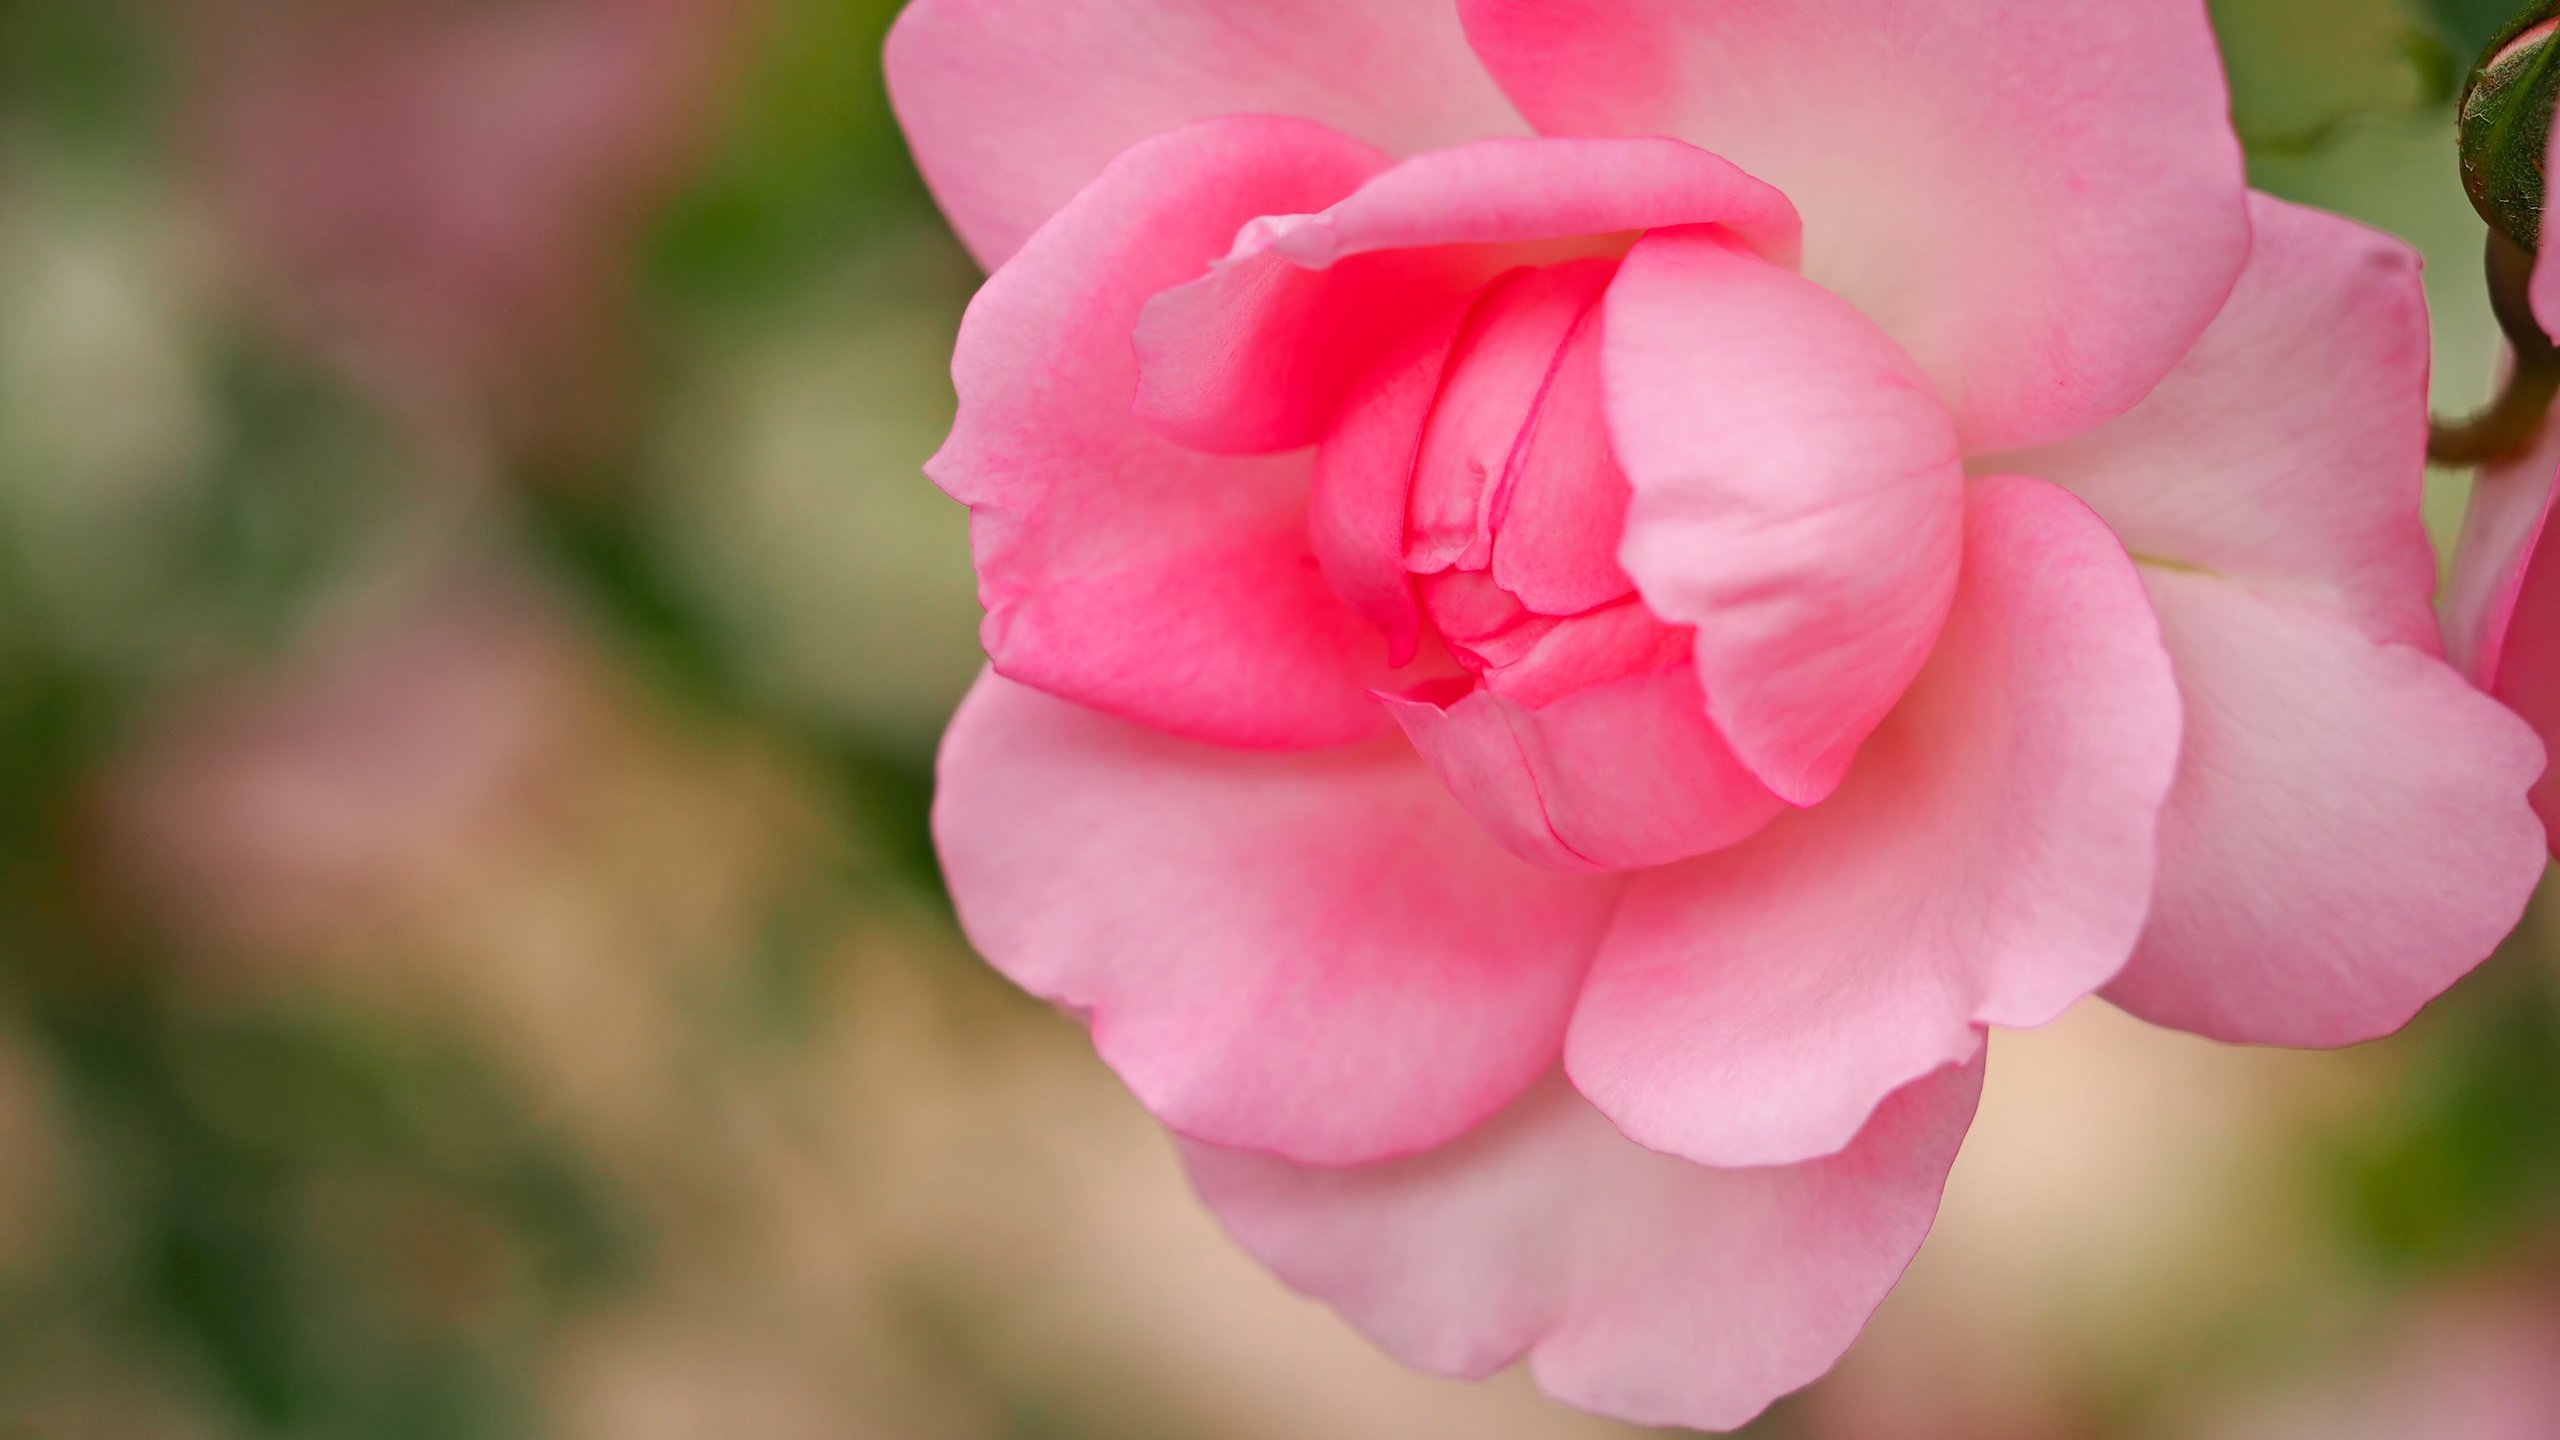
<point>2288,450</point>
<point>1481,423</point>
<point>1317,955</point>
<point>1012,106</point>
<point>2040,199</point>
<point>1798,497</point>
<point>2348,835</point>
<point>2511,505</point>
<point>1117,569</point>
<point>1638,1285</point>
<point>1618,776</point>
<point>1256,357</point>
<point>1566,506</point>
<point>1988,863</point>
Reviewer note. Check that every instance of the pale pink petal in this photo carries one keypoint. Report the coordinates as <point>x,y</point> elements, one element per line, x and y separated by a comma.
<point>1988,863</point>
<point>1798,497</point>
<point>1011,106</point>
<point>2288,450</point>
<point>1619,776</point>
<point>1637,1285</point>
<point>1317,955</point>
<point>2040,199</point>
<point>1118,569</point>
<point>2348,835</point>
<point>1256,356</point>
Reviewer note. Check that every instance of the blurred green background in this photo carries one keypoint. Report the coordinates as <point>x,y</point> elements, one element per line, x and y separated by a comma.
<point>472,639</point>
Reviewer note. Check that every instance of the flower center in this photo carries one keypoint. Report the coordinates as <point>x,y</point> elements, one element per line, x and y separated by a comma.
<point>1515,506</point>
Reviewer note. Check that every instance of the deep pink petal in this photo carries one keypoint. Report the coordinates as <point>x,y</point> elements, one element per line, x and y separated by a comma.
<point>1637,1285</point>
<point>2348,835</point>
<point>2040,199</point>
<point>1472,449</point>
<point>1317,955</point>
<point>1798,497</point>
<point>1011,106</point>
<point>2502,606</point>
<point>1564,655</point>
<point>1621,775</point>
<point>1565,507</point>
<point>2511,506</point>
<point>1988,863</point>
<point>2288,450</point>
<point>2529,670</point>
<point>1364,478</point>
<point>1256,357</point>
<point>1118,569</point>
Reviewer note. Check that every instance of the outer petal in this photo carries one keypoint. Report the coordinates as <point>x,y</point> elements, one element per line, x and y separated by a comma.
<point>1255,357</point>
<point>2288,450</point>
<point>2041,199</point>
<point>1317,955</point>
<point>2348,836</point>
<point>1798,497</point>
<point>1638,1285</point>
<point>1618,776</point>
<point>1012,106</point>
<point>1989,863</point>
<point>1118,569</point>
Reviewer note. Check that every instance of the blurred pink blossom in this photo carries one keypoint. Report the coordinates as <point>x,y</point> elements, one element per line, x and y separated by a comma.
<point>270,815</point>
<point>2481,1366</point>
<point>444,193</point>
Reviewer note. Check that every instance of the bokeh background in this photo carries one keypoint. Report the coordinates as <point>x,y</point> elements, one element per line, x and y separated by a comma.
<point>472,639</point>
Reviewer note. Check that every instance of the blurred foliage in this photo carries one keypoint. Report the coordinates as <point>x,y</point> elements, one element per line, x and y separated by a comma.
<point>2466,1160</point>
<point>2469,25</point>
<point>803,173</point>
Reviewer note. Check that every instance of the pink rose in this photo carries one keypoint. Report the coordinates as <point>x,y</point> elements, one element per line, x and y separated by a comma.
<point>1544,702</point>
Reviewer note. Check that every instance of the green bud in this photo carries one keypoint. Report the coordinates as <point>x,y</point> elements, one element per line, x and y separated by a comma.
<point>2506,123</point>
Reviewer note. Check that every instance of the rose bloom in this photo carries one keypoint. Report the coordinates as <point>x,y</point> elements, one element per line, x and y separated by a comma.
<point>1582,593</point>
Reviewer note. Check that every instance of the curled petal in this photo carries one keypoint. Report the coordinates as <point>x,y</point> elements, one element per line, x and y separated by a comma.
<point>1118,569</point>
<point>1256,357</point>
<point>1799,498</point>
